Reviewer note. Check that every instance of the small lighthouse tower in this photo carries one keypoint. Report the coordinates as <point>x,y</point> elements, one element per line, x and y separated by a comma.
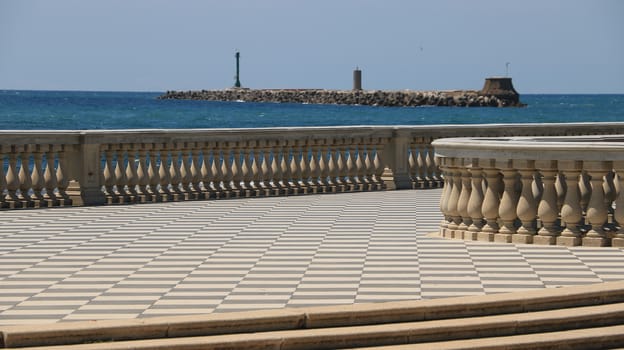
<point>237,83</point>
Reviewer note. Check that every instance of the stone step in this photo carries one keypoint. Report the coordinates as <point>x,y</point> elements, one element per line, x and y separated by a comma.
<point>565,301</point>
<point>578,339</point>
<point>532,323</point>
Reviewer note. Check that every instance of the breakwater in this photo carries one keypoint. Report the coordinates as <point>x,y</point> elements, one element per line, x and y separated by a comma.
<point>497,92</point>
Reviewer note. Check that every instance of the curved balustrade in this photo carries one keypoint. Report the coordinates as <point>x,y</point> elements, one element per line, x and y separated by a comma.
<point>55,168</point>
<point>543,190</point>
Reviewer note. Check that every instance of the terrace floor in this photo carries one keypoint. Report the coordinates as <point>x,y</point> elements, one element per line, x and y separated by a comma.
<point>229,255</point>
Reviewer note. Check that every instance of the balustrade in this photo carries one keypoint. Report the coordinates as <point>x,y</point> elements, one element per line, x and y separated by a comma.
<point>547,190</point>
<point>49,168</point>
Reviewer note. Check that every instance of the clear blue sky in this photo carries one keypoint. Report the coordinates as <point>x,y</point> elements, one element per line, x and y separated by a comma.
<point>558,46</point>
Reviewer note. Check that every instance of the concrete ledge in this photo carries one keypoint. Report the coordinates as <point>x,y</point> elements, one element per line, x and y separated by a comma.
<point>307,318</point>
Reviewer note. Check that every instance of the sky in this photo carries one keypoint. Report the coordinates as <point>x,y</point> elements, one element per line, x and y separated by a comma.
<point>546,46</point>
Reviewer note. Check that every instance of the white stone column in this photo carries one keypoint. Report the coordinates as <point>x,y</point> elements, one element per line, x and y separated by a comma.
<point>571,211</point>
<point>49,177</point>
<point>37,177</point>
<point>109,174</point>
<point>491,201</point>
<point>476,201</point>
<point>464,197</point>
<point>527,204</point>
<point>597,213</point>
<point>507,210</point>
<point>547,211</point>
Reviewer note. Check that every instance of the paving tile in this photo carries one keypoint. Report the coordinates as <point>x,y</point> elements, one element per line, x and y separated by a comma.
<point>260,253</point>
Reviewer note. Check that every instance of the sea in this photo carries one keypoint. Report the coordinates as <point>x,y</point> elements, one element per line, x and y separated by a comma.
<point>85,110</point>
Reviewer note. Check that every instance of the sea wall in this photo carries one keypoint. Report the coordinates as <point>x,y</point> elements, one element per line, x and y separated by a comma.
<point>405,98</point>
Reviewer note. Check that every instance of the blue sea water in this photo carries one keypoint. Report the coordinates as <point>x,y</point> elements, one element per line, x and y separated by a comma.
<point>79,110</point>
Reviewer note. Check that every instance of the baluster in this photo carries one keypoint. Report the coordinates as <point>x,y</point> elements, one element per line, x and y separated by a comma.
<point>314,169</point>
<point>618,213</point>
<point>276,168</point>
<point>444,198</point>
<point>109,175</point>
<point>584,190</point>
<point>24,178</point>
<point>379,166</point>
<point>50,177</point>
<point>324,167</point>
<point>451,207</point>
<point>412,164</point>
<point>547,210</point>
<point>295,167</point>
<point>491,201</point>
<point>434,179</point>
<point>237,173</point>
<point>257,171</point>
<point>527,204</point>
<point>344,167</point>
<point>185,172</point>
<point>196,176</point>
<point>12,179</point>
<point>142,179</point>
<point>304,165</point>
<point>610,192</point>
<point>132,179</point>
<point>37,177</point>
<point>359,166</point>
<point>475,201</point>
<point>339,168</point>
<point>287,177</point>
<point>571,211</point>
<point>349,153</point>
<point>331,167</point>
<point>120,176</point>
<point>165,175</point>
<point>246,172</point>
<point>334,168</point>
<point>3,182</point>
<point>366,164</point>
<point>268,155</point>
<point>206,174</point>
<point>226,169</point>
<point>421,165</point>
<point>597,213</point>
<point>464,197</point>
<point>370,163</point>
<point>217,171</point>
<point>175,171</point>
<point>153,173</point>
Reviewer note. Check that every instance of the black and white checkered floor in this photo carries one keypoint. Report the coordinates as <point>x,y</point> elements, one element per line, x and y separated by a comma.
<point>243,254</point>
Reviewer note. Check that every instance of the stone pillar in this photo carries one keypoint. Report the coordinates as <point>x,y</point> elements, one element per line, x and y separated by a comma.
<point>396,173</point>
<point>84,173</point>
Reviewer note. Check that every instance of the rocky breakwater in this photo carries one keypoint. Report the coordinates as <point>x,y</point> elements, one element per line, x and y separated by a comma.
<point>405,98</point>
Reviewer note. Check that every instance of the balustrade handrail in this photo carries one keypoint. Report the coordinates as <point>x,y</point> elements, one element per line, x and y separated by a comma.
<point>545,190</point>
<point>91,167</point>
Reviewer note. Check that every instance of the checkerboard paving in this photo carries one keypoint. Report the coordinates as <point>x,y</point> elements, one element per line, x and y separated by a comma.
<point>242,254</point>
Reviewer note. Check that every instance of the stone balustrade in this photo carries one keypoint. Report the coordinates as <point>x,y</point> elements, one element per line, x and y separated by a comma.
<point>96,167</point>
<point>543,190</point>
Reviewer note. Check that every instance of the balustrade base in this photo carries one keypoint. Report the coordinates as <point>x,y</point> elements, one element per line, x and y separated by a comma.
<point>617,242</point>
<point>544,240</point>
<point>595,241</point>
<point>522,238</point>
<point>470,236</point>
<point>502,237</point>
<point>485,236</point>
<point>567,241</point>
